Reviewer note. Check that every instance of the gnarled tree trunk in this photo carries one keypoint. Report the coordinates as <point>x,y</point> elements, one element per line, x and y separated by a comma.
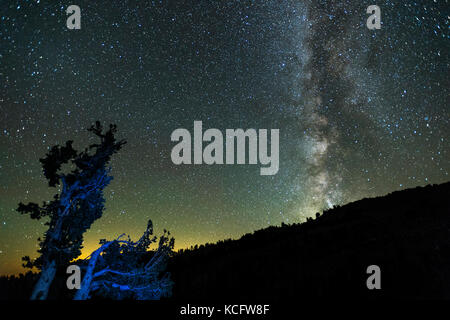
<point>41,288</point>
<point>83,292</point>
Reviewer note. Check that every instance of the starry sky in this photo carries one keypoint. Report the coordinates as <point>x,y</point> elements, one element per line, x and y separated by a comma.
<point>361,112</point>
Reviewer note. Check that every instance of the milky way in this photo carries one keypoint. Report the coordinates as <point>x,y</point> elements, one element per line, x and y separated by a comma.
<point>361,112</point>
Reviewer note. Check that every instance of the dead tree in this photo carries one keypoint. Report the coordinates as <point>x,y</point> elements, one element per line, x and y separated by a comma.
<point>118,269</point>
<point>73,210</point>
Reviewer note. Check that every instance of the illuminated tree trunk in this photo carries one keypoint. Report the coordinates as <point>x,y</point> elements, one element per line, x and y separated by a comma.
<point>41,288</point>
<point>83,292</point>
<point>48,272</point>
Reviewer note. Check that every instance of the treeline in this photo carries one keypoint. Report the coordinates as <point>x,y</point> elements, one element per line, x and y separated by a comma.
<point>406,233</point>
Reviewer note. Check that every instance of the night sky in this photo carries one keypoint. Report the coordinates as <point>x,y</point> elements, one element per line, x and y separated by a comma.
<point>361,112</point>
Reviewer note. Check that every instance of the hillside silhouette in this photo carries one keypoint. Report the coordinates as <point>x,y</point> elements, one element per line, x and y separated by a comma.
<point>406,233</point>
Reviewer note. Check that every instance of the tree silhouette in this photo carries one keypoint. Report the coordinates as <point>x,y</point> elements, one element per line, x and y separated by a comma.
<point>119,269</point>
<point>78,204</point>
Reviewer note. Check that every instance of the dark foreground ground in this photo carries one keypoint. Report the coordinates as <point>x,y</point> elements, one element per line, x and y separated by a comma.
<point>406,233</point>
